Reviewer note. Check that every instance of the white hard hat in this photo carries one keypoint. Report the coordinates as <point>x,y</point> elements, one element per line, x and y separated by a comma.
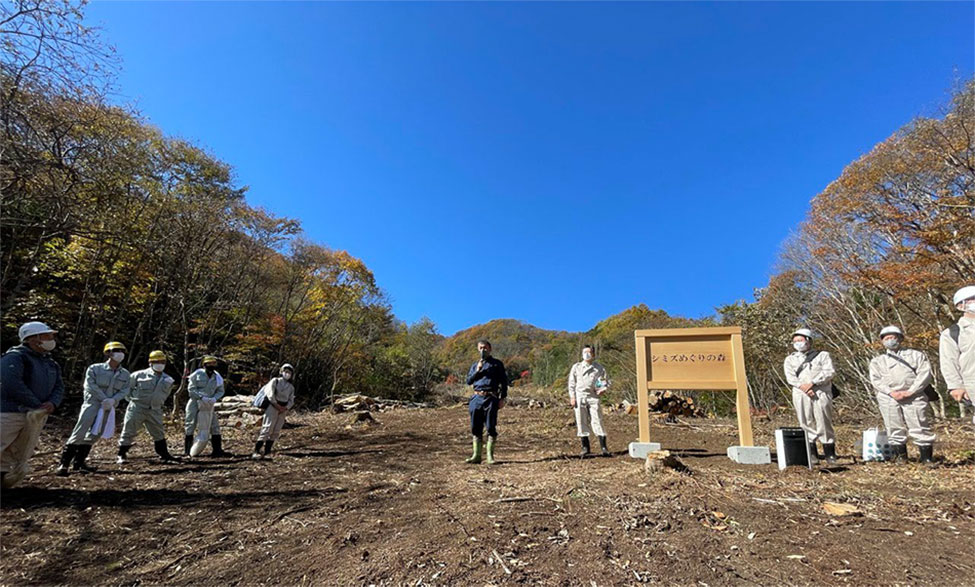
<point>31,328</point>
<point>963,294</point>
<point>891,330</point>
<point>804,332</point>
<point>286,366</point>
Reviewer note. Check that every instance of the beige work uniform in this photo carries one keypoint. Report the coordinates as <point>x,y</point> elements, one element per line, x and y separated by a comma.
<point>280,392</point>
<point>815,415</point>
<point>904,370</point>
<point>958,359</point>
<point>582,387</point>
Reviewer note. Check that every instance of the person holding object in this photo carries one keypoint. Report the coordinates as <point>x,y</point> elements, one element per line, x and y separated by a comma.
<point>205,386</point>
<point>587,381</point>
<point>106,384</point>
<point>490,383</point>
<point>900,377</point>
<point>149,390</point>
<point>810,373</point>
<point>279,395</point>
<point>957,349</point>
<point>30,389</point>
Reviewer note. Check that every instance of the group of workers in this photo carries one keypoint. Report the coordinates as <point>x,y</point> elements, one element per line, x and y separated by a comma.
<point>32,388</point>
<point>901,379</point>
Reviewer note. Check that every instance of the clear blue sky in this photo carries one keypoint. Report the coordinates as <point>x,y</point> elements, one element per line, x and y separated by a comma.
<point>555,163</point>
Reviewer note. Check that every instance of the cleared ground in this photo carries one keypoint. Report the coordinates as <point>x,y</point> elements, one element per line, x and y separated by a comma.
<point>394,504</point>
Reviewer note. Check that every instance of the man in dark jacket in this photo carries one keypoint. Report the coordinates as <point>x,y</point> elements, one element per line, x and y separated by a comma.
<point>30,389</point>
<point>490,383</point>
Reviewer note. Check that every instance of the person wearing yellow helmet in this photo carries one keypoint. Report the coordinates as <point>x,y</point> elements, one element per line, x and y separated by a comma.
<point>205,386</point>
<point>150,388</point>
<point>106,384</point>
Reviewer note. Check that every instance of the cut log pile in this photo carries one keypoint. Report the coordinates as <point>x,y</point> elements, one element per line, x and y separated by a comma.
<point>670,403</point>
<point>364,403</point>
<point>238,411</point>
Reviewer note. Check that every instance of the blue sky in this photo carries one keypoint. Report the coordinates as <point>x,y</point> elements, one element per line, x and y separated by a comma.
<point>550,162</point>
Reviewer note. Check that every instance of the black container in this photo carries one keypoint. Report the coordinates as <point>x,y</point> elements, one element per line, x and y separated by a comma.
<point>791,448</point>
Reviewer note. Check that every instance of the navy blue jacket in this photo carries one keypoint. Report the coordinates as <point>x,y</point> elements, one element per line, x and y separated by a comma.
<point>492,377</point>
<point>28,379</point>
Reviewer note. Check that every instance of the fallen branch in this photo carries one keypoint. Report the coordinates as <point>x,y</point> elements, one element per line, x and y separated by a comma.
<point>497,557</point>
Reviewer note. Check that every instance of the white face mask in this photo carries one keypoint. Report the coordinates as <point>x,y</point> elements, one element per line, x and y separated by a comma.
<point>48,345</point>
<point>801,346</point>
<point>587,355</point>
<point>158,367</point>
<point>969,307</point>
<point>892,344</point>
<point>117,357</point>
<point>286,375</point>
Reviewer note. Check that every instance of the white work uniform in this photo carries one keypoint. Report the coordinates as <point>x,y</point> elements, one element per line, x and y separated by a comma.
<point>904,370</point>
<point>149,391</point>
<point>202,386</point>
<point>815,415</point>
<point>958,358</point>
<point>582,387</point>
<point>279,392</point>
<point>101,383</point>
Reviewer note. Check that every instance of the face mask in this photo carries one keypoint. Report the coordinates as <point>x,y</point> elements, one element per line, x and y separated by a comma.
<point>969,307</point>
<point>800,346</point>
<point>485,353</point>
<point>586,355</point>
<point>48,345</point>
<point>117,357</point>
<point>286,375</point>
<point>892,344</point>
<point>158,367</point>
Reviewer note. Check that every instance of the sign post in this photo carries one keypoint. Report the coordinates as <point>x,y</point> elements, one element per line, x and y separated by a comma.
<point>698,359</point>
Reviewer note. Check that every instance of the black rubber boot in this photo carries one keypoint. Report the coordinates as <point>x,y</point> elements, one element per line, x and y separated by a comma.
<point>66,457</point>
<point>602,446</point>
<point>81,457</point>
<point>829,451</point>
<point>585,447</point>
<point>187,444</point>
<point>163,451</point>
<point>218,451</point>
<point>813,454</point>
<point>900,453</point>
<point>123,450</point>
<point>267,448</point>
<point>927,454</point>
<point>258,450</point>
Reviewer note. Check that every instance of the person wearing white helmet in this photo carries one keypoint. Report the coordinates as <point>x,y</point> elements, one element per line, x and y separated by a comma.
<point>106,384</point>
<point>957,348</point>
<point>587,382</point>
<point>900,378</point>
<point>810,373</point>
<point>150,389</point>
<point>30,389</point>
<point>279,397</point>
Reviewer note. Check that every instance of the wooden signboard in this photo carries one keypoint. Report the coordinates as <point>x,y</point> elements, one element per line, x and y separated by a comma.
<point>692,358</point>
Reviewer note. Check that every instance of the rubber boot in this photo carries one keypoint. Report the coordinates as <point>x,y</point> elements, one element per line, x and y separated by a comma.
<point>829,450</point>
<point>475,458</point>
<point>900,453</point>
<point>602,446</point>
<point>258,450</point>
<point>490,450</point>
<point>80,459</point>
<point>66,457</point>
<point>585,447</point>
<point>187,444</point>
<point>123,449</point>
<point>927,454</point>
<point>218,447</point>
<point>813,454</point>
<point>267,448</point>
<point>163,451</point>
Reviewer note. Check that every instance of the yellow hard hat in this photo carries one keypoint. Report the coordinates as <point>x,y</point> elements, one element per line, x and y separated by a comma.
<point>114,346</point>
<point>209,360</point>
<point>157,356</point>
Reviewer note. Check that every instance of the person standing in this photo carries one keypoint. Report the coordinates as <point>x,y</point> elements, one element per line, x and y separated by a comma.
<point>30,389</point>
<point>106,384</point>
<point>957,349</point>
<point>810,373</point>
<point>900,377</point>
<point>279,394</point>
<point>149,390</point>
<point>205,386</point>
<point>490,383</point>
<point>587,381</point>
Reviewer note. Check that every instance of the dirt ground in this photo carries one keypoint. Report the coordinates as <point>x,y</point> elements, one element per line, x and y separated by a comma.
<point>394,504</point>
